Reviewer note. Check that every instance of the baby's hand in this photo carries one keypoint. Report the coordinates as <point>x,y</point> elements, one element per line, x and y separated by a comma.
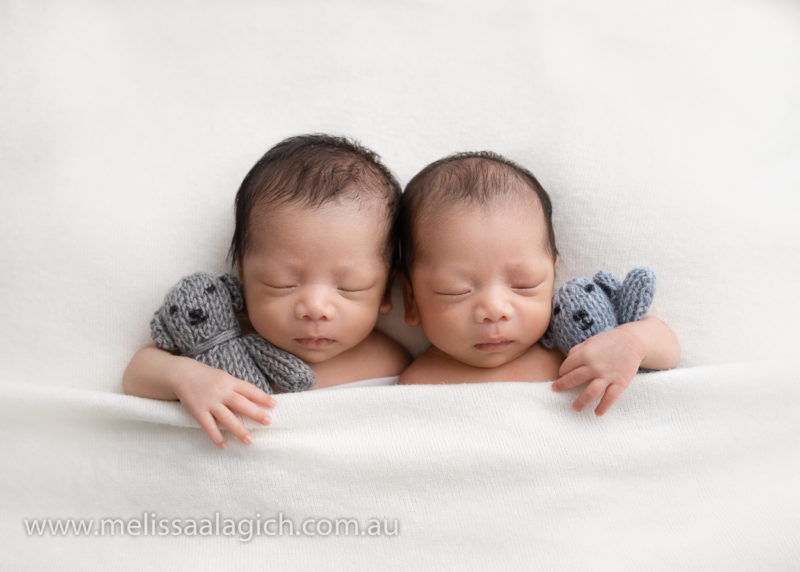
<point>607,362</point>
<point>213,397</point>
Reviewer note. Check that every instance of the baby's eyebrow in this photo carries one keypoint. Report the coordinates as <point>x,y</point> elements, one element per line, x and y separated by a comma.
<point>453,271</point>
<point>350,267</point>
<point>529,268</point>
<point>519,268</point>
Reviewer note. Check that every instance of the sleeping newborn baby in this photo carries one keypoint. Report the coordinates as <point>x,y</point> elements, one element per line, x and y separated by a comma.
<point>314,246</point>
<point>479,262</point>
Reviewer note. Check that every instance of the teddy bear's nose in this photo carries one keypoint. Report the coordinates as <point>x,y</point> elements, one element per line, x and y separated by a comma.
<point>580,315</point>
<point>196,316</point>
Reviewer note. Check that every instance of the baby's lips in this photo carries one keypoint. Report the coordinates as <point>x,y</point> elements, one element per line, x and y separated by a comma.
<point>315,343</point>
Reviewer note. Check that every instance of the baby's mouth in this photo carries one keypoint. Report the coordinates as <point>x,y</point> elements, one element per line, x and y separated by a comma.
<point>315,343</point>
<point>493,346</point>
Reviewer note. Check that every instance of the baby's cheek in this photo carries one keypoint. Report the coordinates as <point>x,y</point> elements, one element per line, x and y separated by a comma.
<point>364,315</point>
<point>450,317</point>
<point>440,328</point>
<point>267,318</point>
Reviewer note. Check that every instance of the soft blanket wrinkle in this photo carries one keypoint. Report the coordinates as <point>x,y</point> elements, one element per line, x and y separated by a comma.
<point>694,468</point>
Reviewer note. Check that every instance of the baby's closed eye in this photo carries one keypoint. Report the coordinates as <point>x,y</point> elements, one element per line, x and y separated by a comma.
<point>355,289</point>
<point>453,293</point>
<point>279,286</point>
<point>451,289</point>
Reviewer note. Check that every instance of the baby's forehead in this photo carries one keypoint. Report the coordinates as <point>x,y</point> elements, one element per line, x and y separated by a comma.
<point>283,224</point>
<point>444,210</point>
<point>514,227</point>
<point>366,205</point>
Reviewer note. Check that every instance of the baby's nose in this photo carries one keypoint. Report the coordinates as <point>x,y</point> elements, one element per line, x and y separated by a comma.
<point>315,304</point>
<point>493,308</point>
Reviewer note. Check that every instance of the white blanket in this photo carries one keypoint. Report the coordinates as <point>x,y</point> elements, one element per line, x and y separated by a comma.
<point>694,469</point>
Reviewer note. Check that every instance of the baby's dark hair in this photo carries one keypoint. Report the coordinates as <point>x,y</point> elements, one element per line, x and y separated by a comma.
<point>480,177</point>
<point>311,170</point>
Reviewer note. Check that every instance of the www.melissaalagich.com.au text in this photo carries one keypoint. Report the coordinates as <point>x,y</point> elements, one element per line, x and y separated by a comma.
<point>245,529</point>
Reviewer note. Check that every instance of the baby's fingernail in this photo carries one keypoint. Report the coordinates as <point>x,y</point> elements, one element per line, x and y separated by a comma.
<point>247,439</point>
<point>223,445</point>
<point>554,387</point>
<point>271,401</point>
<point>266,420</point>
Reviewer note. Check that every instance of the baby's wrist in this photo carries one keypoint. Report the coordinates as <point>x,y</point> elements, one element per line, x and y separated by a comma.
<point>177,374</point>
<point>636,340</point>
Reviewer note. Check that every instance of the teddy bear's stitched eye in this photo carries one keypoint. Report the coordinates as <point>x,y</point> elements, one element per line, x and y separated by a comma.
<point>211,289</point>
<point>172,310</point>
<point>589,287</point>
<point>556,310</point>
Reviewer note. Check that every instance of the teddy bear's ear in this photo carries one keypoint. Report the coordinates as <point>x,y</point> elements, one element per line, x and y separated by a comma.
<point>608,283</point>
<point>160,334</point>
<point>234,287</point>
<point>638,291</point>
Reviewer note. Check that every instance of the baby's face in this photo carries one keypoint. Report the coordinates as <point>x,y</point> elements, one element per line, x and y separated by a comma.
<point>482,281</point>
<point>314,277</point>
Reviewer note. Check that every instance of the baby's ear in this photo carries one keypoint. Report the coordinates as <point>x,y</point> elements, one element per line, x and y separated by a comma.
<point>234,287</point>
<point>386,301</point>
<point>637,293</point>
<point>160,334</point>
<point>409,305</point>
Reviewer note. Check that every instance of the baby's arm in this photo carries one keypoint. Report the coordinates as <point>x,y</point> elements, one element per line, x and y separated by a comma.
<point>609,360</point>
<point>210,395</point>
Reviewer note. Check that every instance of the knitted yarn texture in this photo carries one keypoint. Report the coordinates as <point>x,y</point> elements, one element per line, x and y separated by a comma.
<point>198,320</point>
<point>584,307</point>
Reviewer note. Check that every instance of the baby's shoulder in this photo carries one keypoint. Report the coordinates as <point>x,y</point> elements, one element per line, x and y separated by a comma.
<point>421,370</point>
<point>539,363</point>
<point>377,355</point>
<point>434,366</point>
<point>379,347</point>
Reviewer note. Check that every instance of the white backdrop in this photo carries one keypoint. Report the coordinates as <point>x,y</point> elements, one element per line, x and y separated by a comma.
<point>667,134</point>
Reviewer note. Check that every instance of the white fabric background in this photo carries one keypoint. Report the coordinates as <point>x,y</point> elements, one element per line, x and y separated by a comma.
<point>667,134</point>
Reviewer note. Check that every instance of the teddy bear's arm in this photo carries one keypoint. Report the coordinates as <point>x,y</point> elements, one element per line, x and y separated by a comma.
<point>287,371</point>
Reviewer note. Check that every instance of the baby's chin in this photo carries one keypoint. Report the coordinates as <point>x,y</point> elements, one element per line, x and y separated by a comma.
<point>489,359</point>
<point>316,356</point>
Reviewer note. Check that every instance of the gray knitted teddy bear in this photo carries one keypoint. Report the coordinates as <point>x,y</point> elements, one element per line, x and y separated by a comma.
<point>198,320</point>
<point>584,307</point>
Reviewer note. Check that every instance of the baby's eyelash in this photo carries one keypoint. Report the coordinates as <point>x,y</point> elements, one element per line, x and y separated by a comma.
<point>452,293</point>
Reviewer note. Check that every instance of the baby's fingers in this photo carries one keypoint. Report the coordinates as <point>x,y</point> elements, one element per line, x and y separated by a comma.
<point>612,394</point>
<point>572,379</point>
<point>573,361</point>
<point>575,358</point>
<point>254,394</point>
<point>232,423</point>
<point>209,425</point>
<point>240,404</point>
<point>590,394</point>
